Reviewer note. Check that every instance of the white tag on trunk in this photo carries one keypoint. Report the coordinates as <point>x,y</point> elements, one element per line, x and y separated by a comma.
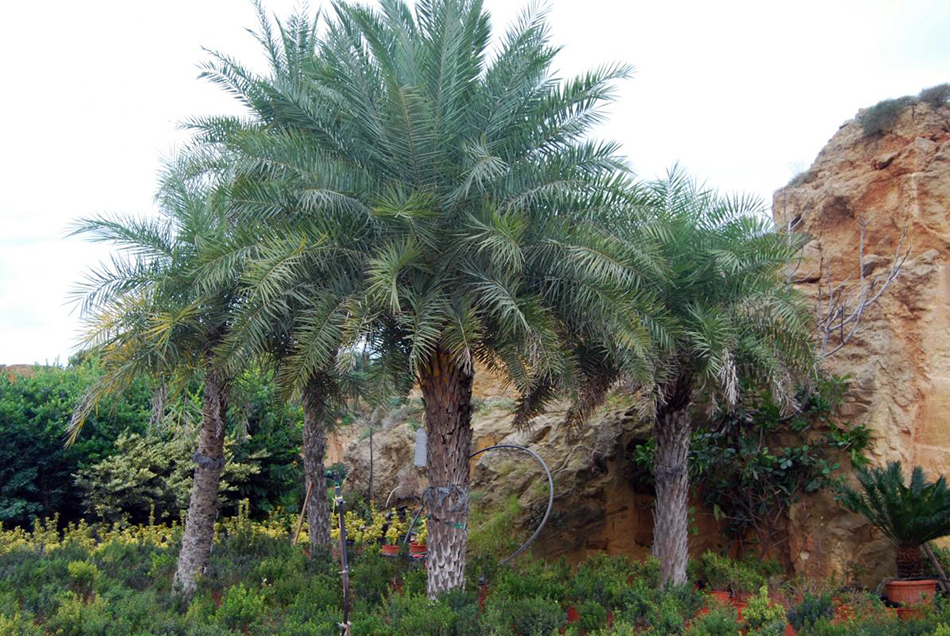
<point>422,441</point>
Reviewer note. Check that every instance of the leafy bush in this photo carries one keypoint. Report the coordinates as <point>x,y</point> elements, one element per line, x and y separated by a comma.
<point>880,118</point>
<point>935,96</point>
<point>149,478</point>
<point>122,471</point>
<point>523,616</point>
<point>241,607</point>
<point>811,609</point>
<point>720,573</point>
<point>762,616</point>
<point>720,620</point>
<point>753,464</point>
<point>36,470</point>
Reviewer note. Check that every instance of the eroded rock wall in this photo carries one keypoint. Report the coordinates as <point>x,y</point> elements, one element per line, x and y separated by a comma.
<point>899,359</point>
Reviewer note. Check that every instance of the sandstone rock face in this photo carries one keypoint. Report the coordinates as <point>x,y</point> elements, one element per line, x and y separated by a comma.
<point>899,360</point>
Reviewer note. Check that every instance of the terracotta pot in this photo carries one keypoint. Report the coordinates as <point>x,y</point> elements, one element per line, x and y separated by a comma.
<point>721,595</point>
<point>417,548</point>
<point>390,550</point>
<point>911,592</point>
<point>572,615</point>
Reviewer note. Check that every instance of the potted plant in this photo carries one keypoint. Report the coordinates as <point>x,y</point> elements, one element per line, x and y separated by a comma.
<point>909,515</point>
<point>391,546</point>
<point>418,544</point>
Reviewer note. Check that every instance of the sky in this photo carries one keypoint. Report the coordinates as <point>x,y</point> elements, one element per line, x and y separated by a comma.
<point>742,94</point>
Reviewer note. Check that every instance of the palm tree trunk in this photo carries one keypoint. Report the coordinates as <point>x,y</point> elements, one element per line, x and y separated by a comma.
<point>671,430</point>
<point>447,395</point>
<point>670,530</point>
<point>314,450</point>
<point>209,462</point>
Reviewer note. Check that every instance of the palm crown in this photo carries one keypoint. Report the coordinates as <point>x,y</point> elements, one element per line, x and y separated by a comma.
<point>909,514</point>
<point>144,312</point>
<point>731,317</point>
<point>462,188</point>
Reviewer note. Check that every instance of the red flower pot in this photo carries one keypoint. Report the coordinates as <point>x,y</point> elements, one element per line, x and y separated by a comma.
<point>789,630</point>
<point>417,548</point>
<point>390,550</point>
<point>911,592</point>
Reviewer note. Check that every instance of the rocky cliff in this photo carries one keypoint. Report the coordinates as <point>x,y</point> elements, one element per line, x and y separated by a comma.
<point>893,183</point>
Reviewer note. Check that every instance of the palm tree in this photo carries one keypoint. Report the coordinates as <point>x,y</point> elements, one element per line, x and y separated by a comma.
<point>470,189</point>
<point>298,262</point>
<point>732,323</point>
<point>146,314</point>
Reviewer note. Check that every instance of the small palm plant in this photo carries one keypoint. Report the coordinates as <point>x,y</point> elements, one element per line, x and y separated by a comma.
<point>909,515</point>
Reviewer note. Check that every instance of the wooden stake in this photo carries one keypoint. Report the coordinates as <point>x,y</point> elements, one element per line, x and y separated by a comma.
<point>303,510</point>
<point>944,584</point>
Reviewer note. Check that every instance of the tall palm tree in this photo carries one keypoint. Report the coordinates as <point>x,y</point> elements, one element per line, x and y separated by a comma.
<point>146,314</point>
<point>732,323</point>
<point>470,188</point>
<point>298,260</point>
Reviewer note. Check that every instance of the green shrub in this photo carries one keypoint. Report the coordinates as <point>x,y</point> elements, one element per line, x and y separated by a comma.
<point>534,578</point>
<point>418,615</point>
<point>811,609</point>
<point>36,470</point>
<point>241,607</point>
<point>83,576</point>
<point>17,624</point>
<point>880,118</point>
<point>717,572</point>
<point>762,616</point>
<point>74,617</point>
<point>522,616</point>
<point>720,620</point>
<point>935,96</point>
<point>593,615</point>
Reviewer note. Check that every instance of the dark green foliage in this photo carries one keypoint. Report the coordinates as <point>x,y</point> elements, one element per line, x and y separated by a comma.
<point>811,609</point>
<point>717,572</point>
<point>935,96</point>
<point>908,514</point>
<point>721,620</point>
<point>527,616</point>
<point>119,470</point>
<point>879,118</point>
<point>752,464</point>
<point>259,584</point>
<point>36,471</point>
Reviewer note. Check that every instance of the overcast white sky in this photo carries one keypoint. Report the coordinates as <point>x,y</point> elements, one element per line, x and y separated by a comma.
<point>742,93</point>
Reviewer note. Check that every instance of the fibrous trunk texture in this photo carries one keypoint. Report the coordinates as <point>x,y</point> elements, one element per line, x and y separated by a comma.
<point>910,565</point>
<point>203,508</point>
<point>447,394</point>
<point>671,430</point>
<point>314,450</point>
